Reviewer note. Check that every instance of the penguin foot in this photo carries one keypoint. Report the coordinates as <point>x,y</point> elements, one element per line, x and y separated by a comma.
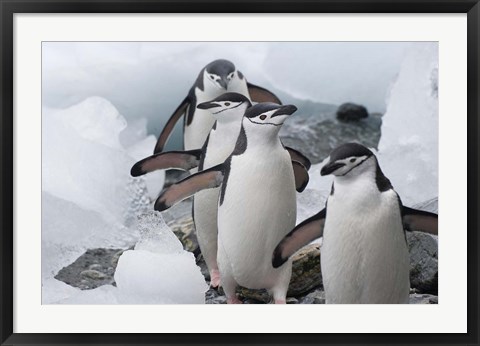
<point>214,278</point>
<point>280,301</point>
<point>234,300</point>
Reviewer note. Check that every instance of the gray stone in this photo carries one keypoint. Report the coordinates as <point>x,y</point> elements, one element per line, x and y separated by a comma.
<point>423,299</point>
<point>291,300</point>
<point>423,262</point>
<point>351,112</point>
<point>316,136</point>
<point>93,274</point>
<point>95,267</point>
<point>306,273</point>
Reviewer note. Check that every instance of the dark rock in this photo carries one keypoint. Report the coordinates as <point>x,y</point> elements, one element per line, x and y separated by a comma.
<point>316,136</point>
<point>291,300</point>
<point>305,276</point>
<point>351,112</point>
<point>184,229</point>
<point>306,273</point>
<point>423,262</point>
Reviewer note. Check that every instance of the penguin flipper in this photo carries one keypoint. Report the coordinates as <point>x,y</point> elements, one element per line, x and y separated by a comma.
<point>304,233</point>
<point>420,220</point>
<point>259,94</point>
<point>183,160</point>
<point>167,130</point>
<point>298,156</point>
<point>207,179</point>
<point>301,176</point>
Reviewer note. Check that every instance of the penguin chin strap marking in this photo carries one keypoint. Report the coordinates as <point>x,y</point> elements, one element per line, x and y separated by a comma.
<point>226,109</point>
<point>254,122</point>
<point>355,167</point>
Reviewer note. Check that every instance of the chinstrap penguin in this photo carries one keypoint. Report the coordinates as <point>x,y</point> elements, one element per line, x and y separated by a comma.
<point>364,254</point>
<point>218,77</point>
<point>257,202</point>
<point>228,110</point>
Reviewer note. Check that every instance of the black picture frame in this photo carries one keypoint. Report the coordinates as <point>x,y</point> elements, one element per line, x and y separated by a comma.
<point>7,10</point>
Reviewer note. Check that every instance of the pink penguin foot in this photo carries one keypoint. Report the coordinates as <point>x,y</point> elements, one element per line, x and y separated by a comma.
<point>234,300</point>
<point>214,278</point>
<point>280,301</point>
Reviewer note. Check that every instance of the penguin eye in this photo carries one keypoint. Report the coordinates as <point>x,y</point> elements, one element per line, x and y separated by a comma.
<point>353,160</point>
<point>230,76</point>
<point>263,116</point>
<point>227,104</point>
<point>212,77</point>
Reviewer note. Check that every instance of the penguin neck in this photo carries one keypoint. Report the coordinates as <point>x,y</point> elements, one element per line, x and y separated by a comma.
<point>259,138</point>
<point>229,127</point>
<point>363,175</point>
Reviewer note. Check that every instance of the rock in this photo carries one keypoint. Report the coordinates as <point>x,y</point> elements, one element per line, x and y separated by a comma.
<point>292,300</point>
<point>423,262</point>
<point>305,275</point>
<point>92,269</point>
<point>317,295</point>
<point>316,137</point>
<point>423,299</point>
<point>95,267</point>
<point>351,112</point>
<point>115,257</point>
<point>184,229</point>
<point>306,272</point>
<point>93,274</point>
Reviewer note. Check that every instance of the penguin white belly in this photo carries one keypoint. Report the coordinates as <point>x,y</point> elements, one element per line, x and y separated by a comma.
<point>364,256</point>
<point>205,205</point>
<point>258,210</point>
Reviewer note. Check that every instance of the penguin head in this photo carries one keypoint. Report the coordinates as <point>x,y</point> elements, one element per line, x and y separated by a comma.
<point>349,160</point>
<point>219,74</point>
<point>227,107</point>
<point>266,118</point>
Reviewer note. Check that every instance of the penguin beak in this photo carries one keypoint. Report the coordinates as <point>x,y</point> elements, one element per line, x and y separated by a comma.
<point>330,168</point>
<point>223,83</point>
<point>285,110</point>
<point>207,105</point>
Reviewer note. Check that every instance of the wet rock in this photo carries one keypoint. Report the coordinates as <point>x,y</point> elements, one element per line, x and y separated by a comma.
<point>317,136</point>
<point>423,262</point>
<point>291,300</point>
<point>184,229</point>
<point>305,275</point>
<point>351,112</point>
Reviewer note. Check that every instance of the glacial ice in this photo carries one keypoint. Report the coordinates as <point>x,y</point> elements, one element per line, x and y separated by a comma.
<point>408,148</point>
<point>89,200</point>
<point>150,79</point>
